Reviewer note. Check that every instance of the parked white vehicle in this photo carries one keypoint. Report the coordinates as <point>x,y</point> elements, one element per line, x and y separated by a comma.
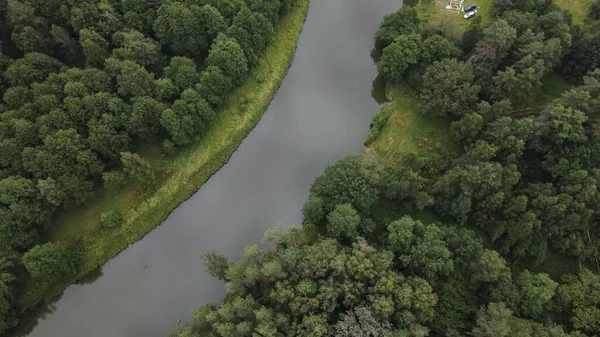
<point>470,14</point>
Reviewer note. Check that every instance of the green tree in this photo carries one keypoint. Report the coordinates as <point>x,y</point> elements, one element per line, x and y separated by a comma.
<point>227,54</point>
<point>137,168</point>
<point>253,32</point>
<point>51,262</point>
<point>182,73</point>
<point>214,85</point>
<point>343,222</point>
<point>134,46</point>
<point>95,47</point>
<point>356,180</point>
<point>448,89</point>
<point>186,28</point>
<point>404,21</point>
<point>398,56</point>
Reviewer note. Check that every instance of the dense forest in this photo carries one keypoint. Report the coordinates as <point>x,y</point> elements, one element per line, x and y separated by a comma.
<point>500,240</point>
<point>84,86</point>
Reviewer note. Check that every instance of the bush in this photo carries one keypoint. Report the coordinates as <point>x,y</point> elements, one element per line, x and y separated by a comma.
<point>111,219</point>
<point>377,124</point>
<point>169,148</point>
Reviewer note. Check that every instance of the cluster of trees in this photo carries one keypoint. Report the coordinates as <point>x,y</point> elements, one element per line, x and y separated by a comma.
<point>527,180</point>
<point>82,84</point>
<point>349,272</point>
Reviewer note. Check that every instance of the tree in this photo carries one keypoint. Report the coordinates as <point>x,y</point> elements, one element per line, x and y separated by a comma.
<point>214,86</point>
<point>536,291</point>
<point>51,262</point>
<point>188,118</point>
<point>7,316</point>
<point>490,267</point>
<point>33,67</point>
<point>227,54</point>
<point>314,210</point>
<point>137,168</point>
<point>132,79</point>
<point>420,248</point>
<point>447,89</point>
<point>182,73</point>
<point>493,321</point>
<point>343,222</point>
<point>360,322</point>
<point>187,29</point>
<point>579,296</point>
<point>437,48</point>
<point>356,180</point>
<point>404,21</point>
<point>253,32</point>
<point>144,122</point>
<point>398,56</point>
<point>134,46</point>
<point>95,47</point>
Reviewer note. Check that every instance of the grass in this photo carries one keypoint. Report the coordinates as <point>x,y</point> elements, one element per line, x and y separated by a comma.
<point>181,176</point>
<point>580,9</point>
<point>452,22</point>
<point>407,130</point>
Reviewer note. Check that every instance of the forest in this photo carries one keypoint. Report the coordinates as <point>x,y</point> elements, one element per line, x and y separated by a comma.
<point>498,238</point>
<point>84,87</point>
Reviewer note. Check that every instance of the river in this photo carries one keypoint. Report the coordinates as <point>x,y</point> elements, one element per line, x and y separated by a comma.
<point>320,114</point>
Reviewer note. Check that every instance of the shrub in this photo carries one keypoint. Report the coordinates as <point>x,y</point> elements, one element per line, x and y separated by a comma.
<point>111,219</point>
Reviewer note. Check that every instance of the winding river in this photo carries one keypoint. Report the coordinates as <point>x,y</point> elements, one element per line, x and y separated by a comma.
<point>320,114</point>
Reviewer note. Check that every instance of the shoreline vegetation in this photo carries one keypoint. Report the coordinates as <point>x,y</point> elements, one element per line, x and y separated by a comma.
<point>182,175</point>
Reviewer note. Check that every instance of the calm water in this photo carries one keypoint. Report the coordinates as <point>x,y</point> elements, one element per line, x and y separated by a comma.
<point>320,114</point>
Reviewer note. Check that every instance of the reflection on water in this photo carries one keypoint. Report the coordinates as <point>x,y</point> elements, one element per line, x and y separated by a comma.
<point>378,91</point>
<point>91,277</point>
<point>31,319</point>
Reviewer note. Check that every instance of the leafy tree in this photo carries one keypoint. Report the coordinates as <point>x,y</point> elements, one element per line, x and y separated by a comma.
<point>343,222</point>
<point>437,48</point>
<point>214,85</point>
<point>356,180</point>
<point>398,56</point>
<point>579,296</point>
<point>405,21</point>
<point>186,28</point>
<point>490,267</point>
<point>137,168</point>
<point>188,118</point>
<point>227,54</point>
<point>33,67</point>
<point>50,262</point>
<point>253,32</point>
<point>7,316</point>
<point>447,89</point>
<point>134,46</point>
<point>182,73</point>
<point>314,210</point>
<point>95,47</point>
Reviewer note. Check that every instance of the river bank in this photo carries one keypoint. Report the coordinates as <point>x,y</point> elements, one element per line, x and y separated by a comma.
<point>184,174</point>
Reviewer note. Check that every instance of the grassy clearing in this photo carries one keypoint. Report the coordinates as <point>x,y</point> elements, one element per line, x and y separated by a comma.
<point>452,22</point>
<point>579,8</point>
<point>182,175</point>
<point>407,130</point>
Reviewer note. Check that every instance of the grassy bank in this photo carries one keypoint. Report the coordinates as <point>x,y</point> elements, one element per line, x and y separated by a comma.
<point>408,130</point>
<point>181,176</point>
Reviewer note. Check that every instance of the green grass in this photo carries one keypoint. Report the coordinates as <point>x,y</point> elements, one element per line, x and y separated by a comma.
<point>579,8</point>
<point>181,176</point>
<point>452,22</point>
<point>407,130</point>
